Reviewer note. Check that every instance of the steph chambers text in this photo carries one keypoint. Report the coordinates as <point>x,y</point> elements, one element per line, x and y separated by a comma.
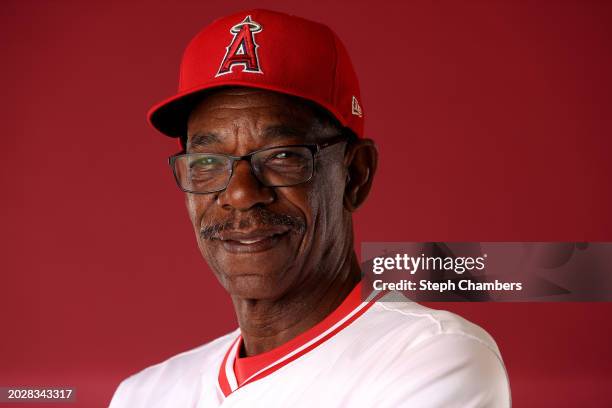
<point>445,286</point>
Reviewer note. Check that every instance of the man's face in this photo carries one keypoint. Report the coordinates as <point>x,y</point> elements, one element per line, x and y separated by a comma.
<point>265,242</point>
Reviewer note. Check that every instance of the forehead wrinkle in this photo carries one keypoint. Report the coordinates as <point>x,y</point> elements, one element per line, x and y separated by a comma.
<point>272,125</point>
<point>264,121</point>
<point>238,99</point>
<point>238,102</point>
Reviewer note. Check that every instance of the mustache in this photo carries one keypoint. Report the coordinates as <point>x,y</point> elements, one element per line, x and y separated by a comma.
<point>259,217</point>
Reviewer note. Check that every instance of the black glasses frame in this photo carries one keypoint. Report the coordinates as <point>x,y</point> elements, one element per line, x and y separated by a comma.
<point>314,148</point>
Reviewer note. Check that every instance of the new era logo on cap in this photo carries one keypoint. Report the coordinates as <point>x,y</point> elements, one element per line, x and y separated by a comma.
<point>355,107</point>
<point>268,50</point>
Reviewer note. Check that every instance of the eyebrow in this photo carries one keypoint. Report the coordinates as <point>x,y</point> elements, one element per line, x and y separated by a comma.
<point>270,133</point>
<point>203,139</point>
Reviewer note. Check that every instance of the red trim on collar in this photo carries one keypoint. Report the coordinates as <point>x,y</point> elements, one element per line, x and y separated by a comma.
<point>236,372</point>
<point>222,378</point>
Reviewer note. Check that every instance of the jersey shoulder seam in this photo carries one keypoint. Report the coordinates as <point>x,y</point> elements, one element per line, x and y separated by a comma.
<point>440,329</point>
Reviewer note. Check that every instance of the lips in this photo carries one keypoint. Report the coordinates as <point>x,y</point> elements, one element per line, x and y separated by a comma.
<point>251,241</point>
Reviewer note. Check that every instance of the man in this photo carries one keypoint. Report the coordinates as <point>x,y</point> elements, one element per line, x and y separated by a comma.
<point>274,162</point>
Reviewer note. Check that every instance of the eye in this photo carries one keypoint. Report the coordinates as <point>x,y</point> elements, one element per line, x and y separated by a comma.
<point>285,158</point>
<point>207,163</point>
<point>283,155</point>
<point>208,160</point>
<point>288,159</point>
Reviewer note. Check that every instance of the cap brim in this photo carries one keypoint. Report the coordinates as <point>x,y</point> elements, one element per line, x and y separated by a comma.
<point>170,115</point>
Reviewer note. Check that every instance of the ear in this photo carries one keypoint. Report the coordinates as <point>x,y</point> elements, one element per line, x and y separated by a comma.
<point>361,160</point>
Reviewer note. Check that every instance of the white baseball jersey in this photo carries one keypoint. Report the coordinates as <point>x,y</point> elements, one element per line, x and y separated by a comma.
<point>376,353</point>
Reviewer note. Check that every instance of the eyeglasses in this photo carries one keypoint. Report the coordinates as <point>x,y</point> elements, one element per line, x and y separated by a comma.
<point>280,166</point>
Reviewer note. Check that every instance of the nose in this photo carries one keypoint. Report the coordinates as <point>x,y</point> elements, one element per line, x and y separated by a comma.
<point>244,191</point>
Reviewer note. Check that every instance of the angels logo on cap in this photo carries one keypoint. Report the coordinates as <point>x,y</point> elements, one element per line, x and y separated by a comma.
<point>242,50</point>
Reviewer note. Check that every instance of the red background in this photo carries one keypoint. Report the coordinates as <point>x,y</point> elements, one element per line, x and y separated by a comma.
<point>493,123</point>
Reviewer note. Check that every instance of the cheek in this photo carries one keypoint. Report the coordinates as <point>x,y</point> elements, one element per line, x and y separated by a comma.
<point>320,203</point>
<point>295,201</point>
<point>330,201</point>
<point>329,192</point>
<point>196,209</point>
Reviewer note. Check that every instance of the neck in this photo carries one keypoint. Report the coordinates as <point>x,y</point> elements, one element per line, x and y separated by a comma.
<point>267,324</point>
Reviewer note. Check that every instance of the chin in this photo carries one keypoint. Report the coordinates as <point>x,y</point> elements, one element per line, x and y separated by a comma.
<point>265,274</point>
<point>255,286</point>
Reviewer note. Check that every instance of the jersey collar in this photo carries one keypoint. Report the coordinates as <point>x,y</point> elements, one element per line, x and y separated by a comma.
<point>351,308</point>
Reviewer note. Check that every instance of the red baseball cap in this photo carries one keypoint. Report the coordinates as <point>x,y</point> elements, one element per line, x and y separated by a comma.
<point>268,50</point>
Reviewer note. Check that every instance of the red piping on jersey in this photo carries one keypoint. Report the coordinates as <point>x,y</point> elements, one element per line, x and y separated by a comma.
<point>352,307</point>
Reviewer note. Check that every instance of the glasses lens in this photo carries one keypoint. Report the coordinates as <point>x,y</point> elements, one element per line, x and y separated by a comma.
<point>284,166</point>
<point>202,173</point>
